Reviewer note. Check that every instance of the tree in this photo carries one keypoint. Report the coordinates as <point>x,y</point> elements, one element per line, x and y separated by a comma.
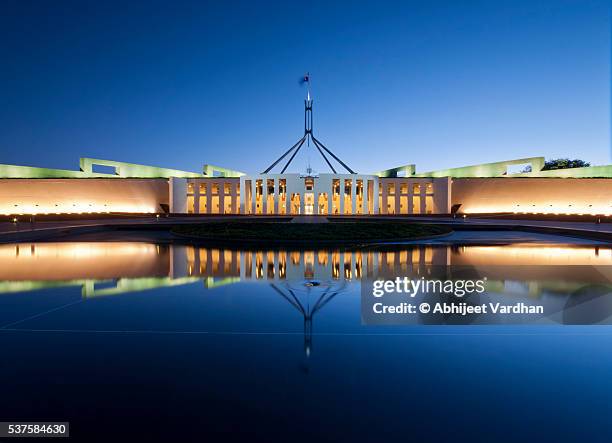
<point>564,163</point>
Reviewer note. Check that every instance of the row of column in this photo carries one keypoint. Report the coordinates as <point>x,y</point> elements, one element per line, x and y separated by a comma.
<point>233,195</point>
<point>296,185</point>
<point>397,201</point>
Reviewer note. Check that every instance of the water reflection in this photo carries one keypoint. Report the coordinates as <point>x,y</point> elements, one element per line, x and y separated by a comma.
<point>115,268</point>
<point>308,280</point>
<point>308,299</point>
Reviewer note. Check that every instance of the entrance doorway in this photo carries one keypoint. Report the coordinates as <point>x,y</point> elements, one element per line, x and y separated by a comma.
<point>309,203</point>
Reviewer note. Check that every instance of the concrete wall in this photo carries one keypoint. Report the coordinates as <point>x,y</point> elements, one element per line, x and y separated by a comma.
<point>533,195</point>
<point>177,189</point>
<point>39,196</point>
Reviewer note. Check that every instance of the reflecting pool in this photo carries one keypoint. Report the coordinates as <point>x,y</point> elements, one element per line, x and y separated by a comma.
<point>185,342</point>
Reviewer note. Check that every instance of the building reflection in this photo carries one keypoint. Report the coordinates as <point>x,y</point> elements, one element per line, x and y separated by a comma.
<point>309,279</point>
<point>114,268</point>
<point>308,298</point>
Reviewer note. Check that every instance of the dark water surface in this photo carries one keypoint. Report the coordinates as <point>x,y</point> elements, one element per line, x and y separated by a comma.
<point>136,341</point>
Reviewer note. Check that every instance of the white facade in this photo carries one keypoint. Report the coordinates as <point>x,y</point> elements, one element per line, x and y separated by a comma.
<point>295,194</point>
<point>323,194</point>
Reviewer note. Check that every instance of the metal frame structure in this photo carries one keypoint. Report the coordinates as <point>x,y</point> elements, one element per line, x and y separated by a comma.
<point>308,137</point>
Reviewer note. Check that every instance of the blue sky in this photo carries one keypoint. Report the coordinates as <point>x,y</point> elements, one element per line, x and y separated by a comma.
<point>180,84</point>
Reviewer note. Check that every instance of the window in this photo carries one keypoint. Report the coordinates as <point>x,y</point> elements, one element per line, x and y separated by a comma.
<point>348,199</point>
<point>309,183</point>
<point>429,205</point>
<point>416,188</point>
<point>248,197</point>
<point>295,204</point>
<point>416,204</point>
<point>403,204</point>
<point>390,204</point>
<point>429,188</point>
<point>270,196</point>
<point>258,196</point>
<point>359,197</point>
<point>190,204</point>
<point>202,199</point>
<point>335,197</point>
<point>214,201</point>
<point>227,205</point>
<point>322,203</point>
<point>370,197</point>
<point>282,196</point>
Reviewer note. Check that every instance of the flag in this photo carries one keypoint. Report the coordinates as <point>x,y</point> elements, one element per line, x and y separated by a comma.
<point>305,79</point>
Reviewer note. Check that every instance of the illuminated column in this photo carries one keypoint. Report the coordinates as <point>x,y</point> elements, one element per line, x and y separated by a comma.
<point>410,195</point>
<point>221,197</point>
<point>364,195</point>
<point>178,195</point>
<point>196,197</point>
<point>241,200</point>
<point>208,196</point>
<point>353,196</point>
<point>398,189</point>
<point>383,210</point>
<point>276,196</point>
<point>341,210</point>
<point>234,197</point>
<point>442,195</point>
<point>253,201</point>
<point>423,194</point>
<point>330,196</point>
<point>375,195</point>
<point>265,195</point>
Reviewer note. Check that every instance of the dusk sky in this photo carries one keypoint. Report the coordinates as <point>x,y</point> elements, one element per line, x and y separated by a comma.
<point>179,84</point>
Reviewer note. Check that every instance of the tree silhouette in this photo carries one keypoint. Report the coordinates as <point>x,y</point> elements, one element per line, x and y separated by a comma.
<point>564,163</point>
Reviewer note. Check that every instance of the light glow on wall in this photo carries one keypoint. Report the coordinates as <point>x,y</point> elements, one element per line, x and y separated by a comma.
<point>569,209</point>
<point>77,260</point>
<point>75,208</point>
<point>532,254</point>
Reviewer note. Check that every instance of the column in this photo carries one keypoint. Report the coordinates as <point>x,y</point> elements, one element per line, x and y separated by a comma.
<point>196,197</point>
<point>253,201</point>
<point>235,199</point>
<point>410,194</point>
<point>423,194</point>
<point>383,210</point>
<point>208,196</point>
<point>353,196</point>
<point>375,196</point>
<point>341,196</point>
<point>241,202</point>
<point>178,195</point>
<point>397,196</point>
<point>276,196</point>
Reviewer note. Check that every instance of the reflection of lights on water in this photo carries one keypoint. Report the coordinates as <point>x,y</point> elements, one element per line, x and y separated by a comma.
<point>536,254</point>
<point>53,261</point>
<point>77,250</point>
